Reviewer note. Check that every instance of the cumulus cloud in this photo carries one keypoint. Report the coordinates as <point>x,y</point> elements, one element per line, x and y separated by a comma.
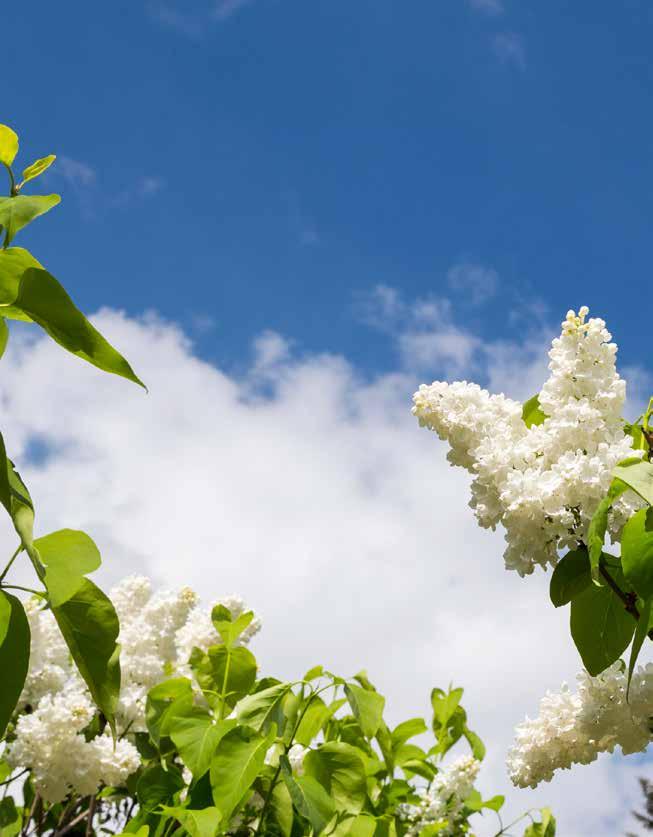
<point>309,489</point>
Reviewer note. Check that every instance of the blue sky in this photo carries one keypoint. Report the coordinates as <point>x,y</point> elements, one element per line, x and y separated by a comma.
<point>261,164</point>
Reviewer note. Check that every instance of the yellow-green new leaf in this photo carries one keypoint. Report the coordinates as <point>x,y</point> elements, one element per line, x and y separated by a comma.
<point>18,211</point>
<point>37,168</point>
<point>201,823</point>
<point>68,556</point>
<point>8,145</point>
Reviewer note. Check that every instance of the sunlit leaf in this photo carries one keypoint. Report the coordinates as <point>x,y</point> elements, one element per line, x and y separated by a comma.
<point>236,764</point>
<point>18,211</point>
<point>38,167</point>
<point>8,145</point>
<point>340,769</point>
<point>67,555</point>
<point>532,412</point>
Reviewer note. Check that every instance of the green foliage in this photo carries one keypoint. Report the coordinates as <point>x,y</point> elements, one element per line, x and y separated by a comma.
<point>367,707</point>
<point>14,654</point>
<point>18,211</point>
<point>570,577</point>
<point>532,412</point>
<point>67,555</point>
<point>238,759</point>
<point>599,524</point>
<point>637,474</point>
<point>637,552</point>
<point>641,631</point>
<point>8,145</point>
<point>226,674</point>
<point>545,828</point>
<point>310,798</point>
<point>600,626</point>
<point>340,769</point>
<point>61,560</point>
<point>89,625</point>
<point>37,168</point>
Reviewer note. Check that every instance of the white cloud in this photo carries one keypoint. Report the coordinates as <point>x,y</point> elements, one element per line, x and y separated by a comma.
<point>509,47</point>
<point>226,8</point>
<point>76,172</point>
<point>491,7</point>
<point>476,282</point>
<point>194,17</point>
<point>316,496</point>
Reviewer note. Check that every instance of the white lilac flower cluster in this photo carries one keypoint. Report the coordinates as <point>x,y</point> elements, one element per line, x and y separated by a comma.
<point>541,483</point>
<point>574,727</point>
<point>157,634</point>
<point>442,804</point>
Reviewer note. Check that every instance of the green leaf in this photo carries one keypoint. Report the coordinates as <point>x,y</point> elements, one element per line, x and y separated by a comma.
<point>545,828</point>
<point>313,673</point>
<point>315,716</point>
<point>160,699</point>
<point>226,673</point>
<point>196,736</point>
<point>280,810</point>
<point>37,168</point>
<point>202,823</point>
<point>236,764</point>
<point>18,211</point>
<point>45,301</point>
<point>8,145</point>
<point>445,704</point>
<point>407,730</point>
<point>229,628</point>
<point>639,440</point>
<point>367,707</point>
<point>477,746</point>
<point>157,786</point>
<point>14,655</point>
<point>260,710</point>
<point>638,475</point>
<point>570,577</point>
<point>362,825</point>
<point>11,820</point>
<point>68,555</point>
<point>339,768</point>
<point>643,627</point>
<point>600,626</point>
<point>16,499</point>
<point>532,412</point>
<point>599,524</point>
<point>4,335</point>
<point>89,625</point>
<point>309,798</point>
<point>637,552</point>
